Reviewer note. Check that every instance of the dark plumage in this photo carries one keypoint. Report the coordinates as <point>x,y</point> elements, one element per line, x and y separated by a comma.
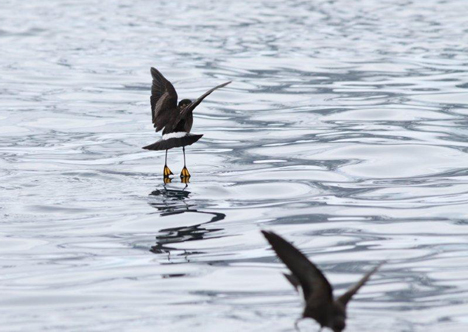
<point>318,293</point>
<point>166,144</point>
<point>174,119</point>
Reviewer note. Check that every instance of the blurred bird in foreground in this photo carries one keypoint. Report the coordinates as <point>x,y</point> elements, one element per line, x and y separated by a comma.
<point>318,293</point>
<point>176,119</point>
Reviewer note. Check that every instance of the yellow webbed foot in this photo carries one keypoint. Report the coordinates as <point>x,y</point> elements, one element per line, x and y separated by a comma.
<point>167,171</point>
<point>185,180</point>
<point>167,180</point>
<point>185,173</point>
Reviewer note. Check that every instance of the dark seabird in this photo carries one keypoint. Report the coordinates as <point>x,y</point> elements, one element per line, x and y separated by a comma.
<point>176,119</point>
<point>318,293</point>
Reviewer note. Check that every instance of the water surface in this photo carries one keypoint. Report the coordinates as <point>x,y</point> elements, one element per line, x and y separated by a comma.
<point>344,130</point>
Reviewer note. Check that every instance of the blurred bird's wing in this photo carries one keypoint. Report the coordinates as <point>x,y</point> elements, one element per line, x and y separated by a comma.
<point>293,281</point>
<point>311,279</point>
<point>346,297</point>
<point>163,100</point>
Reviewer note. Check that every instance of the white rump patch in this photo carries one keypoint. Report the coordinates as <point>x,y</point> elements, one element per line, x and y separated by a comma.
<point>174,135</point>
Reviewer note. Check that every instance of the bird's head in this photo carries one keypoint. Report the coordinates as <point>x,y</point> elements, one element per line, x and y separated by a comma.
<point>184,102</point>
<point>338,323</point>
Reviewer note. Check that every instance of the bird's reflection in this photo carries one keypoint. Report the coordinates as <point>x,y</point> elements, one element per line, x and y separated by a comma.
<point>177,201</point>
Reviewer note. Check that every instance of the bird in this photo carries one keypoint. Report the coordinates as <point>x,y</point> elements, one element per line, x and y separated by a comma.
<point>175,119</point>
<point>317,291</point>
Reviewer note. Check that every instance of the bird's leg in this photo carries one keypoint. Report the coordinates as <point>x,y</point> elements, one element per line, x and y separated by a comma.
<point>167,171</point>
<point>185,173</point>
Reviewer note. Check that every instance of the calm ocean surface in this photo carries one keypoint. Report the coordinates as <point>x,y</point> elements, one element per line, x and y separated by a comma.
<point>345,130</point>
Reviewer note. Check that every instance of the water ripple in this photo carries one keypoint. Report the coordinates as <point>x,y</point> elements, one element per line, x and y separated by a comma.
<point>344,130</point>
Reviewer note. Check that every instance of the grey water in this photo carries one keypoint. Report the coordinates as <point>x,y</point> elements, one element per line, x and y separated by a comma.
<point>344,130</point>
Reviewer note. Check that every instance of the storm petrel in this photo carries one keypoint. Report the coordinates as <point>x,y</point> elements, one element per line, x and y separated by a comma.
<point>176,119</point>
<point>318,293</point>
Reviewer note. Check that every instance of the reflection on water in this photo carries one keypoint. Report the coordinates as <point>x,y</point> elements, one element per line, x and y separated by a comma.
<point>173,202</point>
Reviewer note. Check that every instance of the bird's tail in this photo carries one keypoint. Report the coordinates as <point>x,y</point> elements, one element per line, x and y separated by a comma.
<point>175,142</point>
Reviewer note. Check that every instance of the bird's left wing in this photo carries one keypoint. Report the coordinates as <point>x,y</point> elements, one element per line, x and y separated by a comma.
<point>311,279</point>
<point>163,99</point>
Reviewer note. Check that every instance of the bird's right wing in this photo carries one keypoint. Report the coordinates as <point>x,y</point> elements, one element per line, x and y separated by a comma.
<point>163,99</point>
<point>346,297</point>
<point>312,280</point>
<point>195,103</point>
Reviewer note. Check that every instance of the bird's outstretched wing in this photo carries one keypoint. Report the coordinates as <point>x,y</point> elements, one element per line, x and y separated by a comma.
<point>189,108</point>
<point>197,102</point>
<point>312,280</point>
<point>163,100</point>
<point>346,297</point>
